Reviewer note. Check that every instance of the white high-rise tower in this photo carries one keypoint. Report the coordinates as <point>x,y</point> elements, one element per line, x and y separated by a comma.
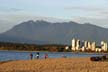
<point>73,44</point>
<point>77,44</point>
<point>103,46</point>
<point>93,46</point>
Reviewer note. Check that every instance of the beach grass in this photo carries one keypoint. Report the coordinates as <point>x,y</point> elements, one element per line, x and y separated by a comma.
<point>55,65</point>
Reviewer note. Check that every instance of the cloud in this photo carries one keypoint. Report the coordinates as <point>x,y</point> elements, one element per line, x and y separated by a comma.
<point>10,10</point>
<point>104,13</point>
<point>90,12</point>
<point>96,21</point>
<point>85,8</point>
<point>15,9</point>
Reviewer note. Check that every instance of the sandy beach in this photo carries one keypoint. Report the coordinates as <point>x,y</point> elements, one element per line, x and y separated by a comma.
<point>54,65</point>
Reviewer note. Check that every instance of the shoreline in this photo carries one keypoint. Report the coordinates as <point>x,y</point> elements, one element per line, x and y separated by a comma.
<point>22,51</point>
<point>59,52</point>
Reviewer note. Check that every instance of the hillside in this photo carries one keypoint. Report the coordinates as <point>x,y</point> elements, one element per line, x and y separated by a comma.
<point>43,32</point>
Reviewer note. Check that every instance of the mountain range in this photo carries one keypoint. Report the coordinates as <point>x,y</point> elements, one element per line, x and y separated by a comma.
<point>43,32</point>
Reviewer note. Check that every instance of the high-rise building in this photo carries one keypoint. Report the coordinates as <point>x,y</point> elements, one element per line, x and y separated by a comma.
<point>85,44</point>
<point>88,46</point>
<point>77,44</point>
<point>73,44</point>
<point>104,46</point>
<point>93,46</point>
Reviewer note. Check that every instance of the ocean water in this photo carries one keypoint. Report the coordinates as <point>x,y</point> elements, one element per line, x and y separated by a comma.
<point>15,55</point>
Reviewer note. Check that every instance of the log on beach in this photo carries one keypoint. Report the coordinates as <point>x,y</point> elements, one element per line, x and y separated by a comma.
<point>95,58</point>
<point>99,58</point>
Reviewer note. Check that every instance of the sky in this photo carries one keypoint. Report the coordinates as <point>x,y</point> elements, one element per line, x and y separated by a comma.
<point>13,12</point>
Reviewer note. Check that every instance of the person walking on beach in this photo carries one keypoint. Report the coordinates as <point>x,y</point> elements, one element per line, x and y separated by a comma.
<point>63,56</point>
<point>31,56</point>
<point>46,56</point>
<point>37,55</point>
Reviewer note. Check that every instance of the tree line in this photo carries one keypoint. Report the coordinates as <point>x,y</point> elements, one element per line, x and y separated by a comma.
<point>32,47</point>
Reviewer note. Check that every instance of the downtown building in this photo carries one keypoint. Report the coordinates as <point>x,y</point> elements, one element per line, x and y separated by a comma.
<point>86,46</point>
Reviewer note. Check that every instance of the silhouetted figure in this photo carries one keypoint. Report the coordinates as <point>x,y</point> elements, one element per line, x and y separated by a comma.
<point>31,56</point>
<point>63,56</point>
<point>37,55</point>
<point>46,56</point>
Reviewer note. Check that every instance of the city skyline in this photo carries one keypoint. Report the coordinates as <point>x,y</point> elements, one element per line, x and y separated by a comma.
<point>87,46</point>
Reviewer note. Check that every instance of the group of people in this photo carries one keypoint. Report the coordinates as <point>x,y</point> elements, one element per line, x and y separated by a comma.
<point>37,56</point>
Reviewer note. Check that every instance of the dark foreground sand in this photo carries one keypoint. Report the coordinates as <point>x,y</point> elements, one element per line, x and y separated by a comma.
<point>54,65</point>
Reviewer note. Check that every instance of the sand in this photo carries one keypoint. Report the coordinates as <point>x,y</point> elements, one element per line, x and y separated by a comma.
<point>55,65</point>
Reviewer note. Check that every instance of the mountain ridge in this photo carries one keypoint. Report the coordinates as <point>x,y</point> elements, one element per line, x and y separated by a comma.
<point>55,33</point>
